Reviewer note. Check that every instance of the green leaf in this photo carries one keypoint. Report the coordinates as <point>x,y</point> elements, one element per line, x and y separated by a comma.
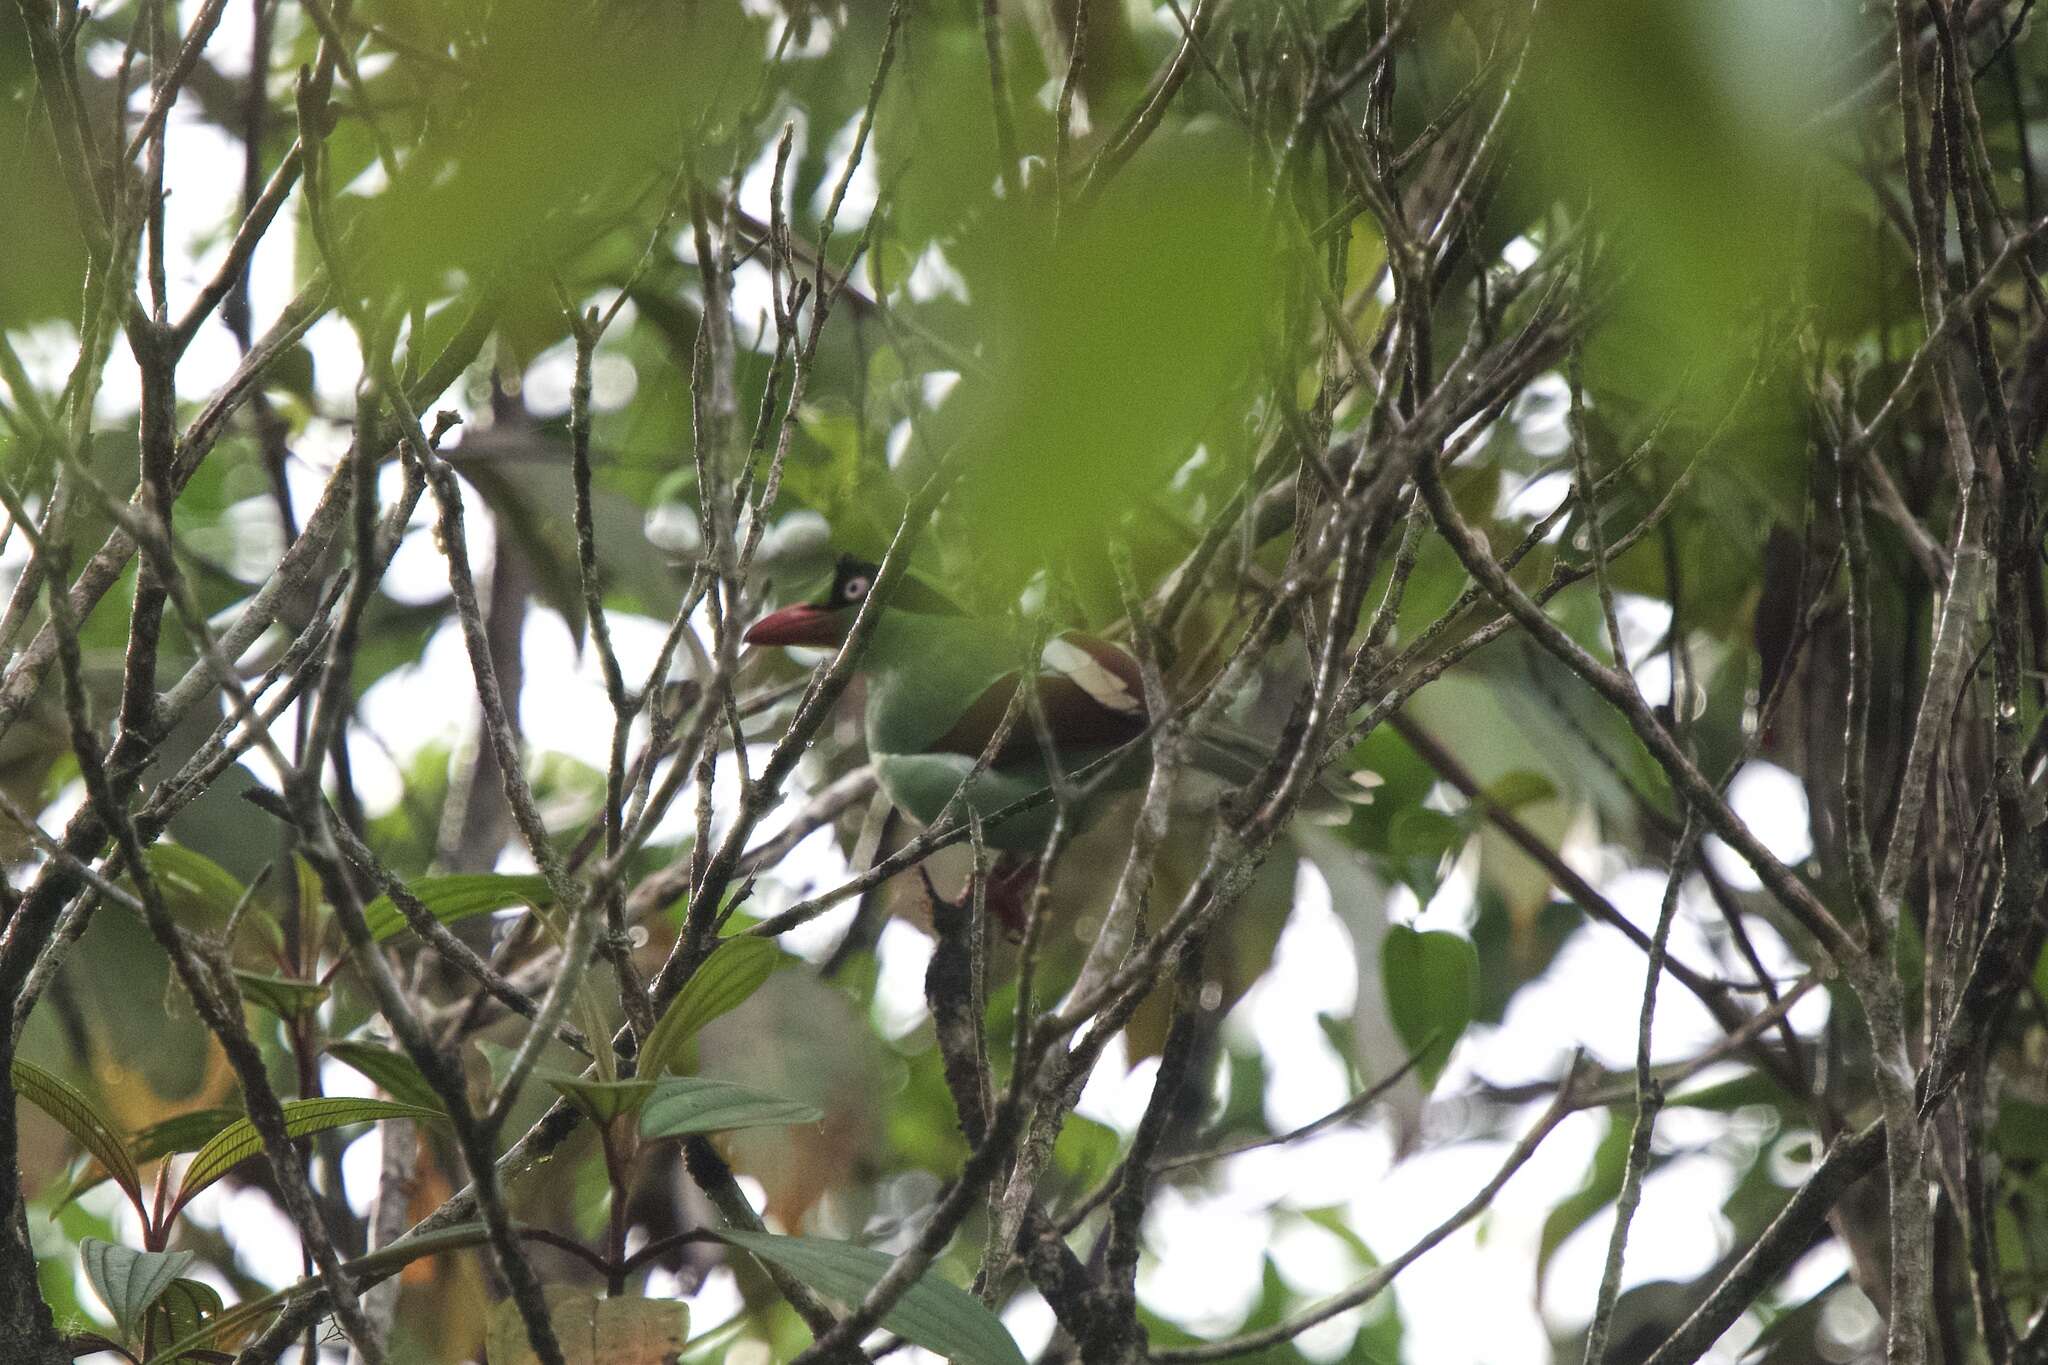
<point>712,1346</point>
<point>179,1133</point>
<point>2022,1130</point>
<point>186,1132</point>
<point>1425,833</point>
<point>79,1176</point>
<point>497,1057</point>
<point>1751,1087</point>
<point>1432,985</point>
<point>1085,1151</point>
<point>311,894</point>
<point>364,1270</point>
<point>193,885</point>
<point>1522,787</point>
<point>239,1140</point>
<point>683,1105</point>
<point>934,1314</point>
<point>458,896</point>
<point>393,1071</point>
<point>734,971</point>
<point>1419,838</point>
<point>129,1281</point>
<point>184,1309</point>
<point>593,1330</point>
<point>1602,1184</point>
<point>80,1119</point>
<point>601,1101</point>
<point>284,996</point>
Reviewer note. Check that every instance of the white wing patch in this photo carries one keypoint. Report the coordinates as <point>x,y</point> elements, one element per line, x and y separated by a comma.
<point>1080,667</point>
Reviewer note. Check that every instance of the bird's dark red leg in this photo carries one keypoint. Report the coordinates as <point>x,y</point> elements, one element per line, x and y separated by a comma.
<point>1008,894</point>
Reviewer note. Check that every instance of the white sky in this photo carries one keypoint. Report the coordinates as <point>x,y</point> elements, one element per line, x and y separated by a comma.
<point>1208,1245</point>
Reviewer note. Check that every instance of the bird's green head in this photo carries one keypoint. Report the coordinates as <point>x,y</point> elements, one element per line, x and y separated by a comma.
<point>824,624</point>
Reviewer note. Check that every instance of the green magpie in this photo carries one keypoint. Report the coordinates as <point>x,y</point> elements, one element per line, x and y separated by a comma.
<point>938,684</point>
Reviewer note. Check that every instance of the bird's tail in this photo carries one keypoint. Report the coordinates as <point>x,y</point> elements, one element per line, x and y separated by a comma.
<point>1238,758</point>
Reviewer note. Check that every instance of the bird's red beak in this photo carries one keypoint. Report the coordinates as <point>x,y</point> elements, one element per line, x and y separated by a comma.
<point>802,624</point>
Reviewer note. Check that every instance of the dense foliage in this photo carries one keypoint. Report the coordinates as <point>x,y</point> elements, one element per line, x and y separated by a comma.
<point>1549,488</point>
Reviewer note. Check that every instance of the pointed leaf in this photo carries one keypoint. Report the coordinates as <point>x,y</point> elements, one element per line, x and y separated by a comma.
<point>1599,1188</point>
<point>1521,787</point>
<point>310,892</point>
<point>239,1140</point>
<point>179,1133</point>
<point>594,1331</point>
<point>129,1281</point>
<point>601,1101</point>
<point>734,971</point>
<point>364,1270</point>
<point>1419,838</point>
<point>458,896</point>
<point>682,1105</point>
<point>193,885</point>
<point>712,1346</point>
<point>498,1058</point>
<point>81,1175</point>
<point>186,1132</point>
<point>80,1119</point>
<point>394,1072</point>
<point>184,1309</point>
<point>934,1314</point>
<point>1432,985</point>
<point>284,996</point>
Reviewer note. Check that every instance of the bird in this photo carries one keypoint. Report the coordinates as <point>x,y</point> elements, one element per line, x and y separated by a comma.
<point>939,681</point>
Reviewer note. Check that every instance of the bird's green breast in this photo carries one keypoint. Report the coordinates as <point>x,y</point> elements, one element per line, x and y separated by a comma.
<point>925,671</point>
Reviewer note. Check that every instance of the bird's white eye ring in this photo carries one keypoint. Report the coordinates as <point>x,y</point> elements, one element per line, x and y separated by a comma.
<point>856,588</point>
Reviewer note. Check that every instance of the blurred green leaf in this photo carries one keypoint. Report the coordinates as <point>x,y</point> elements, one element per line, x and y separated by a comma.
<point>1752,1087</point>
<point>735,970</point>
<point>197,889</point>
<point>593,1330</point>
<point>932,137</point>
<point>1522,787</point>
<point>1419,839</point>
<point>39,233</point>
<point>1432,981</point>
<point>393,1071</point>
<point>2022,1129</point>
<point>459,896</point>
<point>713,1345</point>
<point>286,997</point>
<point>683,1105</point>
<point>1516,949</point>
<point>1599,1188</point>
<point>525,481</point>
<point>934,1314</point>
<point>1689,128</point>
<point>1110,349</point>
<point>600,1101</point>
<point>559,121</point>
<point>1085,1151</point>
